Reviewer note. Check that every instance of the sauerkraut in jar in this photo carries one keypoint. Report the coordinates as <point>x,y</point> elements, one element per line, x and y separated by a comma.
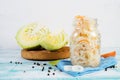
<point>85,42</point>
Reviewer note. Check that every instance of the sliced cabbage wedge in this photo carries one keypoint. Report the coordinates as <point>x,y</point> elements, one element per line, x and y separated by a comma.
<point>30,35</point>
<point>53,42</point>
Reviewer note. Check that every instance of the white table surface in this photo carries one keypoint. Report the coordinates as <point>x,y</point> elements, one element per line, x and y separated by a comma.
<point>12,71</point>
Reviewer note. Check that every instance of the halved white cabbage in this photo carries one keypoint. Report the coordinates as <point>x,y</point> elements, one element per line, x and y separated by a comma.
<point>54,42</point>
<point>30,35</point>
<point>34,35</point>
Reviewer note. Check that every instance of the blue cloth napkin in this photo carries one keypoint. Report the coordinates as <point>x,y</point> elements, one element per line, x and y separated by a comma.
<point>105,62</point>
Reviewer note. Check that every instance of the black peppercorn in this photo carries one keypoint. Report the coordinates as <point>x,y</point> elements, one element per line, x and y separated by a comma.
<point>18,62</point>
<point>48,74</point>
<point>10,61</point>
<point>49,67</point>
<point>43,69</point>
<point>48,70</point>
<point>32,66</point>
<point>38,64</point>
<point>15,62</point>
<point>53,73</point>
<point>34,63</point>
<point>44,64</point>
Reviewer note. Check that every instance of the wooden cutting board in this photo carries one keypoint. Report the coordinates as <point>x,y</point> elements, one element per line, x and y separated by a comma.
<point>62,53</point>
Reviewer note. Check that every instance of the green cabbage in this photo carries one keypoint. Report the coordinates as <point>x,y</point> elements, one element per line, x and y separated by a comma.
<point>54,42</point>
<point>29,36</point>
<point>34,35</point>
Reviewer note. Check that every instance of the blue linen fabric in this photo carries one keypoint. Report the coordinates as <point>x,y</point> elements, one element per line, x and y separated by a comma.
<point>105,62</point>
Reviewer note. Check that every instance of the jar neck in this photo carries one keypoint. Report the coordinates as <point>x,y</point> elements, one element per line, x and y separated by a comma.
<point>85,23</point>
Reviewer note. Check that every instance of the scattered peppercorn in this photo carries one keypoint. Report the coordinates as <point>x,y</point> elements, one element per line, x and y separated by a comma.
<point>15,62</point>
<point>49,67</point>
<point>44,64</point>
<point>10,61</point>
<point>32,66</point>
<point>48,70</point>
<point>24,71</point>
<point>53,73</point>
<point>34,63</point>
<point>21,63</point>
<point>48,74</point>
<point>18,62</point>
<point>38,64</point>
<point>43,69</point>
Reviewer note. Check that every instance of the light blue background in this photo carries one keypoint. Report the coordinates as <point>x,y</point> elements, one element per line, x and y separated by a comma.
<point>14,71</point>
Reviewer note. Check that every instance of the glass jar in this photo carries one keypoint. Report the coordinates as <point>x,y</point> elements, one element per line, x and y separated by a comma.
<point>85,42</point>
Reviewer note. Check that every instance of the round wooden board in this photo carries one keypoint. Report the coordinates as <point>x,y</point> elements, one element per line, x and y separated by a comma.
<point>62,53</point>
